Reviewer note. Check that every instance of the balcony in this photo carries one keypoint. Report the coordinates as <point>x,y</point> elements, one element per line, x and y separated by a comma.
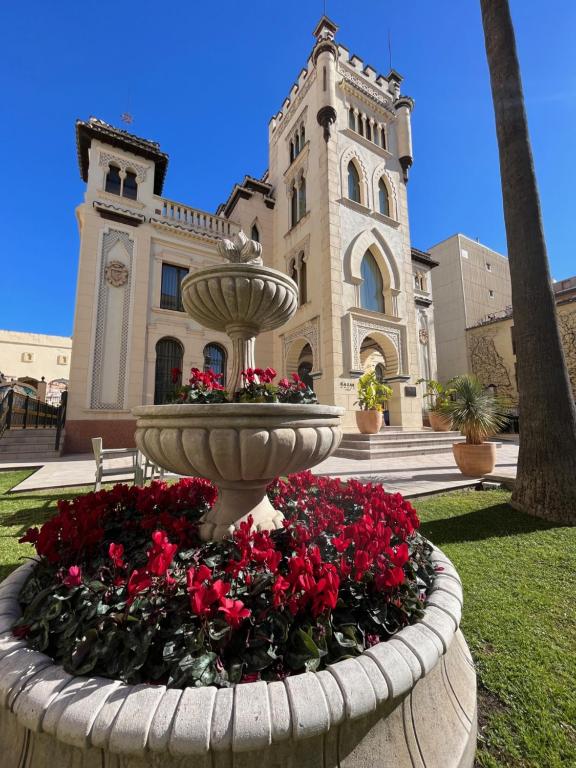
<point>191,219</point>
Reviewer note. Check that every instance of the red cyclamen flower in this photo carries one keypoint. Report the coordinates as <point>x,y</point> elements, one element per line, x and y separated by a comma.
<point>234,611</point>
<point>74,578</point>
<point>115,552</point>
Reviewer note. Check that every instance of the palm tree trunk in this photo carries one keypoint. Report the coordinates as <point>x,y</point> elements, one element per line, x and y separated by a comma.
<point>546,480</point>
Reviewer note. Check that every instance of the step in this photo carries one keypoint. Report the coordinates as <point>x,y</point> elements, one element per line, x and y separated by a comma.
<point>385,436</point>
<point>34,459</point>
<point>409,439</point>
<point>393,451</point>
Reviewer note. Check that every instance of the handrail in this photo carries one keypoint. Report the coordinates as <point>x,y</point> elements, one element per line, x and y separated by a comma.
<point>61,419</point>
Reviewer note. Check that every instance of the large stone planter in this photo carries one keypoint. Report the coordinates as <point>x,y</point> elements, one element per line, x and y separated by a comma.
<point>241,448</point>
<point>410,702</point>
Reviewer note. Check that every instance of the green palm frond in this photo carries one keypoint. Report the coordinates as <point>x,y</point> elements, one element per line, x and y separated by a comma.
<point>475,411</point>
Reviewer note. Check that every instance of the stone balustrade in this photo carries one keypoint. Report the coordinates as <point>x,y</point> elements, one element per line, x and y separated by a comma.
<point>192,218</point>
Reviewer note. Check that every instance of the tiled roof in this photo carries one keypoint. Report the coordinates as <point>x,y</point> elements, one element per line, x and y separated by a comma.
<point>116,137</point>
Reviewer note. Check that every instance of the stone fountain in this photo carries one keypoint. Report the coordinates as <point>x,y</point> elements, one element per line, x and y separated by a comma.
<point>241,448</point>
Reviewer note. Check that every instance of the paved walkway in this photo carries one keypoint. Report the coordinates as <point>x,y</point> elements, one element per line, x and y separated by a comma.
<point>413,476</point>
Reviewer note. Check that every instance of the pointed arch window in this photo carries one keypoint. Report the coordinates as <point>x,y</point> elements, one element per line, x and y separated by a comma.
<point>293,206</point>
<point>372,286</point>
<point>215,360</point>
<point>293,270</point>
<point>361,125</point>
<point>302,136</point>
<point>351,119</point>
<point>254,233</point>
<point>353,182</point>
<point>383,137</point>
<point>383,198</point>
<point>113,180</point>
<point>292,155</point>
<point>169,356</point>
<point>297,144</point>
<point>368,130</point>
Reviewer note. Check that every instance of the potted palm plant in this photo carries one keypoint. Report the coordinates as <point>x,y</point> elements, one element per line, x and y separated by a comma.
<point>372,396</point>
<point>478,414</point>
<point>436,394</point>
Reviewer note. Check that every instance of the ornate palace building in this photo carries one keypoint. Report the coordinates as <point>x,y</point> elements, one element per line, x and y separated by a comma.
<point>331,211</point>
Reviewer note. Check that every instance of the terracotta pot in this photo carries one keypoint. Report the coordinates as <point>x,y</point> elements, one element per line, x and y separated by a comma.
<point>369,422</point>
<point>438,422</point>
<point>475,460</point>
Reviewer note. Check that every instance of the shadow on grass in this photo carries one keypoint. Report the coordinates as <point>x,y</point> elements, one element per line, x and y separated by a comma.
<point>498,520</point>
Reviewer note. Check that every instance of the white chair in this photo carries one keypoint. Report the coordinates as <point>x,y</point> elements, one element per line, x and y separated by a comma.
<point>155,470</point>
<point>102,455</point>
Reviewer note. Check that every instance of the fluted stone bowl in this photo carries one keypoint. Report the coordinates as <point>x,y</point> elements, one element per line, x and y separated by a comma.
<point>407,702</point>
<point>228,295</point>
<point>241,448</point>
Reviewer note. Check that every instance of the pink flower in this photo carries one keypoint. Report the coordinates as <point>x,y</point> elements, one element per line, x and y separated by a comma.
<point>139,581</point>
<point>74,578</point>
<point>115,552</point>
<point>234,611</point>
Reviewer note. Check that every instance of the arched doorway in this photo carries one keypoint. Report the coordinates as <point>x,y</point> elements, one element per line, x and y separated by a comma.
<point>305,366</point>
<point>300,360</point>
<point>169,355</point>
<point>215,360</point>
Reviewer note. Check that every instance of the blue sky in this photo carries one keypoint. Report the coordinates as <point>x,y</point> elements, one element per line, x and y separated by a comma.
<point>203,79</point>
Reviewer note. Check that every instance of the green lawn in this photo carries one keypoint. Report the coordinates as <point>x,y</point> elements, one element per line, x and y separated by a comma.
<point>519,579</point>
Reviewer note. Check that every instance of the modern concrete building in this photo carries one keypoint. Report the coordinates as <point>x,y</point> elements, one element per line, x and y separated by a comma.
<point>331,211</point>
<point>470,283</point>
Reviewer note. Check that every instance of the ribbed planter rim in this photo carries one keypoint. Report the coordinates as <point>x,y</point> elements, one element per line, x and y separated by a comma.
<point>230,410</point>
<point>130,719</point>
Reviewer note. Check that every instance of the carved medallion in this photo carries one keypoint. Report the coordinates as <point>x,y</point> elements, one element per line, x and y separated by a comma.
<point>116,274</point>
<point>423,336</point>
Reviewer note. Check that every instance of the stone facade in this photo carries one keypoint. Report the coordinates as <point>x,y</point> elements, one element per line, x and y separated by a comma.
<point>29,357</point>
<point>339,113</point>
<point>490,344</point>
<point>470,282</point>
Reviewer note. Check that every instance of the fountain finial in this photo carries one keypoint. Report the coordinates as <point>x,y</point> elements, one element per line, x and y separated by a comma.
<point>241,250</point>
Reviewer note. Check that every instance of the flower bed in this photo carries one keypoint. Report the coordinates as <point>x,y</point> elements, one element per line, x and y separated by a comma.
<point>125,589</point>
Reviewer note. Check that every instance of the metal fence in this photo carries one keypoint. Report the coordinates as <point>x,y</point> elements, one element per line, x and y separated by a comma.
<point>24,412</point>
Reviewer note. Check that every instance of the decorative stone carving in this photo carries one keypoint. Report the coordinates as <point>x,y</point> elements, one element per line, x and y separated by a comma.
<point>116,274</point>
<point>112,325</point>
<point>287,116</point>
<point>308,331</point>
<point>366,89</point>
<point>362,328</point>
<point>489,366</point>
<point>107,158</point>
<point>423,336</point>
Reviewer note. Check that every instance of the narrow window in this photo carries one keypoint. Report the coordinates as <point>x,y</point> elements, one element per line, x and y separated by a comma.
<point>353,183</point>
<point>491,293</point>
<point>383,199</point>
<point>297,145</point>
<point>254,234</point>
<point>324,79</point>
<point>489,266</point>
<point>383,137</point>
<point>130,188</point>
<point>169,355</point>
<point>351,119</point>
<point>215,360</point>
<point>293,206</point>
<point>303,292</point>
<point>294,271</point>
<point>361,125</point>
<point>302,136</point>
<point>372,287</point>
<point>368,130</point>
<point>170,293</point>
<point>302,198</point>
<point>113,181</point>
<point>291,152</point>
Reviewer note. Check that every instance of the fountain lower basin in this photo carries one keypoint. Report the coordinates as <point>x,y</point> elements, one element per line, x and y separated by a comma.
<point>241,448</point>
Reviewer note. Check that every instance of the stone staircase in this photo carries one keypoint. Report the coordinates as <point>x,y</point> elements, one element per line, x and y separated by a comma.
<point>394,441</point>
<point>28,445</point>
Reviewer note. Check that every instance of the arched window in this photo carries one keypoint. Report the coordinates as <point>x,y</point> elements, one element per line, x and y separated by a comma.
<point>215,360</point>
<point>169,354</point>
<point>130,187</point>
<point>353,182</point>
<point>361,125</point>
<point>302,136</point>
<point>297,145</point>
<point>293,270</point>
<point>368,130</point>
<point>293,206</point>
<point>113,181</point>
<point>383,136</point>
<point>351,119</point>
<point>372,287</point>
<point>254,234</point>
<point>380,372</point>
<point>305,366</point>
<point>292,151</point>
<point>302,198</point>
<point>383,200</point>
<point>302,282</point>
